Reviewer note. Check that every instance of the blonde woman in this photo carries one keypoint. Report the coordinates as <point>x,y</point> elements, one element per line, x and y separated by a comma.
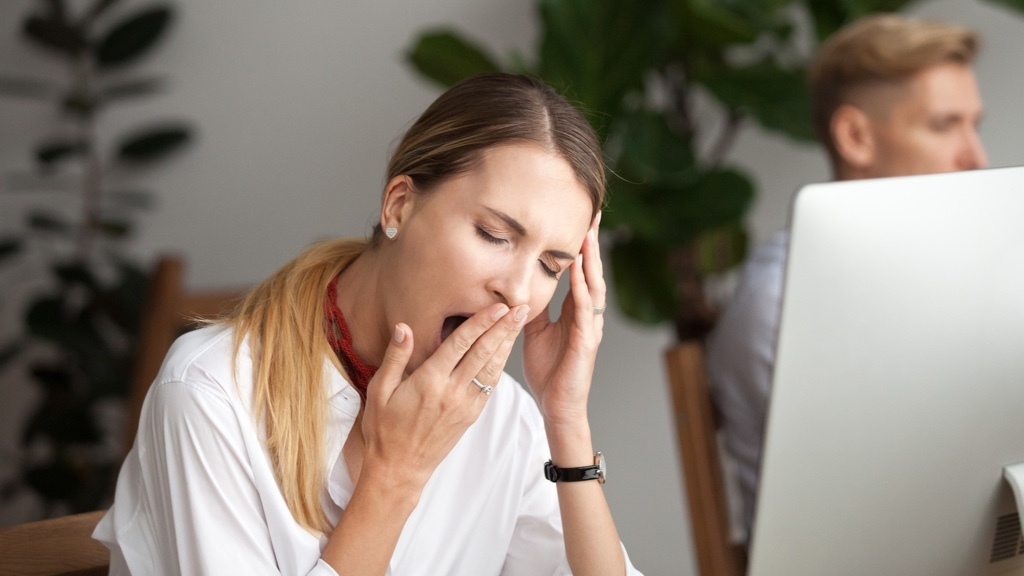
<point>353,417</point>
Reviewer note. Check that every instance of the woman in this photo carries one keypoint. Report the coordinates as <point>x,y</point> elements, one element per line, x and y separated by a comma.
<point>271,443</point>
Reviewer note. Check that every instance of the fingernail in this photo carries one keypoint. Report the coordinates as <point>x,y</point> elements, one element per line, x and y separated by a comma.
<point>579,259</point>
<point>599,214</point>
<point>521,313</point>
<point>399,334</point>
<point>501,311</point>
<point>590,234</point>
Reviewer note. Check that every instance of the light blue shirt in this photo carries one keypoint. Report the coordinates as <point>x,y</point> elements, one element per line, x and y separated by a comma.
<point>741,359</point>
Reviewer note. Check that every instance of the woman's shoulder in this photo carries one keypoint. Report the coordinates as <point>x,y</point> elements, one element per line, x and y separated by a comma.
<point>205,359</point>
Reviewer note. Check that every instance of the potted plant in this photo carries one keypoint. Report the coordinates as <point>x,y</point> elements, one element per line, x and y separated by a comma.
<point>79,330</point>
<point>638,68</point>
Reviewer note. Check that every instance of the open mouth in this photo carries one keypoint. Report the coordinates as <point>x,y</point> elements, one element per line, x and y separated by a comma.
<point>450,324</point>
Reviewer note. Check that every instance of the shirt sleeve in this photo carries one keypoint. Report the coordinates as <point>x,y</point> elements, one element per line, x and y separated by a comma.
<point>538,544</point>
<point>196,506</point>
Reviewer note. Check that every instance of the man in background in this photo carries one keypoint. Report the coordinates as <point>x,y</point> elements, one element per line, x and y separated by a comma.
<point>891,96</point>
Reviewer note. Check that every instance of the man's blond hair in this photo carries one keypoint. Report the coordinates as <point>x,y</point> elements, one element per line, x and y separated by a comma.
<point>883,48</point>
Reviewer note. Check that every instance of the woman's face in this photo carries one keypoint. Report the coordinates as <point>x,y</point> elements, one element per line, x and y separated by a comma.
<point>504,232</point>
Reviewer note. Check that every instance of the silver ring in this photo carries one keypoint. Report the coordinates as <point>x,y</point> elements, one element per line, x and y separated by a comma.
<point>483,387</point>
<point>598,310</point>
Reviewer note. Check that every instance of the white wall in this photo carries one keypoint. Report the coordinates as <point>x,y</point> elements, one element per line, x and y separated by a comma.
<point>296,106</point>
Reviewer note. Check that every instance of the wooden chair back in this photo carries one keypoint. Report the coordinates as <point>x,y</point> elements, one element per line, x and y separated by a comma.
<point>169,312</point>
<point>697,430</point>
<point>58,547</point>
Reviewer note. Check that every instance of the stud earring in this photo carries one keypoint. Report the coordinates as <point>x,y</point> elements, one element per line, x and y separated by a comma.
<point>391,232</point>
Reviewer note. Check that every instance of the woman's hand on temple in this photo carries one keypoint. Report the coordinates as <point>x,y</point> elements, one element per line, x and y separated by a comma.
<point>558,357</point>
<point>410,423</point>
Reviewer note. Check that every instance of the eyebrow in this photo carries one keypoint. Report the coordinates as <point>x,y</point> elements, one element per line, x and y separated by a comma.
<point>521,230</point>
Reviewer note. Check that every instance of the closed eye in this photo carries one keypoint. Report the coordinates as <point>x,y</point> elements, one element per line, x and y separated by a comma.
<point>548,270</point>
<point>489,237</point>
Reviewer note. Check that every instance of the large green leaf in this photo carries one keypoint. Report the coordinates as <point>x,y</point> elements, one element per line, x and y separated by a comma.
<point>677,215</point>
<point>52,152</point>
<point>54,33</point>
<point>45,221</point>
<point>644,288</point>
<point>153,143</point>
<point>75,272</point>
<point>651,152</point>
<point>719,198</point>
<point>721,249</point>
<point>830,15</point>
<point>445,57</point>
<point>777,98</point>
<point>129,39</point>
<point>709,24</point>
<point>9,248</point>
<point>597,51</point>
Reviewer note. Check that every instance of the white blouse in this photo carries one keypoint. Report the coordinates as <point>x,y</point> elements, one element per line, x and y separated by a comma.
<point>197,494</point>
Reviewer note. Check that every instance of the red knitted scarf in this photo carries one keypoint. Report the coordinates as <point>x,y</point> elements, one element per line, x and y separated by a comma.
<point>340,339</point>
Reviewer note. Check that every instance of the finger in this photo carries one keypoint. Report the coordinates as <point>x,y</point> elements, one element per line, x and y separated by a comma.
<point>583,305</point>
<point>508,328</point>
<point>455,347</point>
<point>593,268</point>
<point>392,369</point>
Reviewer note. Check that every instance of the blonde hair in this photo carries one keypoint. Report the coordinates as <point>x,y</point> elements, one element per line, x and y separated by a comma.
<point>284,317</point>
<point>883,48</point>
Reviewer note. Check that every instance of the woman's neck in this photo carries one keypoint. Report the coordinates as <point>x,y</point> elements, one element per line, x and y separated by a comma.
<point>360,302</point>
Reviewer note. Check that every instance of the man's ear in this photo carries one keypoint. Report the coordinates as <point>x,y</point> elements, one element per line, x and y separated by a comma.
<point>853,137</point>
<point>399,200</point>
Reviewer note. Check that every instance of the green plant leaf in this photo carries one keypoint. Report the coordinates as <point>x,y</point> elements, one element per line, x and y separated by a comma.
<point>53,33</point>
<point>629,209</point>
<point>446,57</point>
<point>44,221</point>
<point>129,39</point>
<point>124,301</point>
<point>75,272</point>
<point>9,248</point>
<point>643,282</point>
<point>50,153</point>
<point>721,249</point>
<point>778,99</point>
<point>719,198</point>
<point>10,352</point>
<point>153,143</point>
<point>116,229</point>
<point>597,51</point>
<point>709,24</point>
<point>652,152</point>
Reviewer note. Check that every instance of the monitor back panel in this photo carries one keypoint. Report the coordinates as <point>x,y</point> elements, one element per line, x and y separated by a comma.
<point>899,384</point>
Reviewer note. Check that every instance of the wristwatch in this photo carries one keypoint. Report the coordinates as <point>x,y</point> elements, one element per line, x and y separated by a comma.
<point>596,472</point>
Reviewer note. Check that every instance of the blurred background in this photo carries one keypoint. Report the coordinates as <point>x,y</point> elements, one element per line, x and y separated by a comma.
<point>237,133</point>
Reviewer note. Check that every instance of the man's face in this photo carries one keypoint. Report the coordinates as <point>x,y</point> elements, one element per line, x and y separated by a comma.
<point>930,125</point>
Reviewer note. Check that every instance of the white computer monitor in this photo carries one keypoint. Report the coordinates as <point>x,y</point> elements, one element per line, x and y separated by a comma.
<point>898,394</point>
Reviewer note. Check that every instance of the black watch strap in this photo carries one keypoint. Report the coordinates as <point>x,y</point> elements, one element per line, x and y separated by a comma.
<point>595,472</point>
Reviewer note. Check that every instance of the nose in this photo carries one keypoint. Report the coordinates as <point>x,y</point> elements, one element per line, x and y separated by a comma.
<point>973,154</point>
<point>512,283</point>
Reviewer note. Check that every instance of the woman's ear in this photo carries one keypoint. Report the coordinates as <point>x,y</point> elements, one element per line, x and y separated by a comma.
<point>399,199</point>
<point>853,137</point>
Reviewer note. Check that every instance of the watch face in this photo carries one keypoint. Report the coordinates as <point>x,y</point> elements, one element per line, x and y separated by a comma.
<point>602,470</point>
